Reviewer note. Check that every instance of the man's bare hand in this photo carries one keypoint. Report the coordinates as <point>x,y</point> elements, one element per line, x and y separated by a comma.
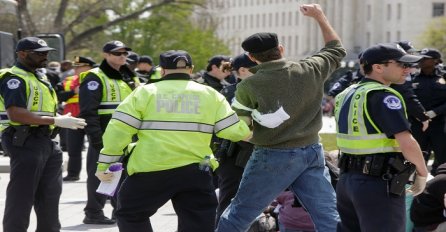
<point>312,10</point>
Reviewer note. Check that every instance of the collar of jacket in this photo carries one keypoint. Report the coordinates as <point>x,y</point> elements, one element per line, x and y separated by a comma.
<point>175,76</point>
<point>115,74</point>
<point>270,65</point>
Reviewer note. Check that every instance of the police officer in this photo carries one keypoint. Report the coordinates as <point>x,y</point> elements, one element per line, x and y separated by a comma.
<point>70,95</point>
<point>214,76</point>
<point>28,111</point>
<point>174,119</point>
<point>373,136</point>
<point>430,87</point>
<point>100,92</point>
<point>233,156</point>
<point>147,70</point>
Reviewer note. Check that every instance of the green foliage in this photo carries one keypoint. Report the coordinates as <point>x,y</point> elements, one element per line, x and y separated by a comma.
<point>435,35</point>
<point>171,27</point>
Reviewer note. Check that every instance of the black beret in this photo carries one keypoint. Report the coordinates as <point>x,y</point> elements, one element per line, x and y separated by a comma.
<point>260,42</point>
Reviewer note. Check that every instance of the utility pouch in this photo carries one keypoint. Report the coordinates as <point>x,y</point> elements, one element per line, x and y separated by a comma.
<point>404,170</point>
<point>378,166</point>
<point>20,135</point>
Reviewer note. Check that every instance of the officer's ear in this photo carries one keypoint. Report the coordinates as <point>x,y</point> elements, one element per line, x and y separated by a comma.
<point>191,69</point>
<point>163,72</point>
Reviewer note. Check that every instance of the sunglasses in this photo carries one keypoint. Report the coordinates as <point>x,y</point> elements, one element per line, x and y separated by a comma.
<point>119,53</point>
<point>38,53</point>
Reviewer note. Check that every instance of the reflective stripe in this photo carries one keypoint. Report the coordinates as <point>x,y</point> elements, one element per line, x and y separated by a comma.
<point>239,105</point>
<point>178,126</point>
<point>361,137</point>
<point>225,123</point>
<point>108,158</point>
<point>127,119</point>
<point>370,150</point>
<point>108,105</point>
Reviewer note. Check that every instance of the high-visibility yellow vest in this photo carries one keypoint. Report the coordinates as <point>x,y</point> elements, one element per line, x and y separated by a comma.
<point>41,99</point>
<point>67,87</point>
<point>174,121</point>
<point>113,91</point>
<point>356,140</point>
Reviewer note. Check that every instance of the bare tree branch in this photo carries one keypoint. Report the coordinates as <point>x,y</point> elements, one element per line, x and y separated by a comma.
<point>77,39</point>
<point>27,24</point>
<point>91,10</point>
<point>58,21</point>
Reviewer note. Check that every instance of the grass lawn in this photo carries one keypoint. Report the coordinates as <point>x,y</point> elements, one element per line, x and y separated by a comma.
<point>329,141</point>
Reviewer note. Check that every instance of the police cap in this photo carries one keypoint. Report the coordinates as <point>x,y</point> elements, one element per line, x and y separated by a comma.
<point>260,42</point>
<point>407,46</point>
<point>146,59</point>
<point>242,61</point>
<point>33,44</point>
<point>170,59</point>
<point>83,61</point>
<point>431,53</point>
<point>217,59</point>
<point>382,52</point>
<point>114,45</point>
<point>132,58</point>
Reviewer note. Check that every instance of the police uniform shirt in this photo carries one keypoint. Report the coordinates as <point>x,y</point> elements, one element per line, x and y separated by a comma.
<point>386,111</point>
<point>430,90</point>
<point>13,89</point>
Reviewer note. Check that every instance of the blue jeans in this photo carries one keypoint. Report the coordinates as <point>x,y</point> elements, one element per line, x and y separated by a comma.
<point>269,172</point>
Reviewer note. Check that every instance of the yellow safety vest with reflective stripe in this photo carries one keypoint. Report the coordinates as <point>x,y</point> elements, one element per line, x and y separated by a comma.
<point>113,91</point>
<point>41,100</point>
<point>174,121</point>
<point>357,141</point>
<point>67,87</point>
<point>157,74</point>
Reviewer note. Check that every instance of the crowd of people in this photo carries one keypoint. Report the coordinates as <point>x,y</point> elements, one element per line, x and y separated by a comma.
<point>247,126</point>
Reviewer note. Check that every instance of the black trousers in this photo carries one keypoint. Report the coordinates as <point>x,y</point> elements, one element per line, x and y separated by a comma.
<point>95,201</point>
<point>75,143</point>
<point>364,205</point>
<point>432,139</point>
<point>229,176</point>
<point>35,180</point>
<point>190,190</point>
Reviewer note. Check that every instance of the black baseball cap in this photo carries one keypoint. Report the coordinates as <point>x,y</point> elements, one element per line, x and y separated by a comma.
<point>431,53</point>
<point>382,52</point>
<point>169,59</point>
<point>146,59</point>
<point>260,42</point>
<point>83,61</point>
<point>132,58</point>
<point>33,44</point>
<point>114,45</point>
<point>242,61</point>
<point>407,46</point>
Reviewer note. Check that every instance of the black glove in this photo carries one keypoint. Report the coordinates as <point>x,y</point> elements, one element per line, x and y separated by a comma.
<point>95,141</point>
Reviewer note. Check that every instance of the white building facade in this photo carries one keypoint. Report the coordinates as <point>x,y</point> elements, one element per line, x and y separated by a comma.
<point>360,23</point>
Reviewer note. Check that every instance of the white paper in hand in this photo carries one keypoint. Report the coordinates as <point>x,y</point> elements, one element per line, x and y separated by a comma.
<point>109,188</point>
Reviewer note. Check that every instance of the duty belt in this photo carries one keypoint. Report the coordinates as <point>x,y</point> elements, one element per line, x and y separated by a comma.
<point>373,165</point>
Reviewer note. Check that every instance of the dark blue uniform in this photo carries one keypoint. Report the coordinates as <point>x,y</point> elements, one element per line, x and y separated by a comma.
<point>363,201</point>
<point>431,91</point>
<point>36,173</point>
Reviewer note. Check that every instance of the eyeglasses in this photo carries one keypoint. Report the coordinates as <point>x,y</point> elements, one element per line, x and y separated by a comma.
<point>38,53</point>
<point>119,53</point>
<point>402,65</point>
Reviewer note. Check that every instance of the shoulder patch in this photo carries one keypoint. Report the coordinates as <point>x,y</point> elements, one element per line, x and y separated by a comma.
<point>92,85</point>
<point>392,102</point>
<point>13,83</point>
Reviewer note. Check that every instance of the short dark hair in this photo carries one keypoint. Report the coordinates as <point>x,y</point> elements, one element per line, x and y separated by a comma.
<point>367,68</point>
<point>268,55</point>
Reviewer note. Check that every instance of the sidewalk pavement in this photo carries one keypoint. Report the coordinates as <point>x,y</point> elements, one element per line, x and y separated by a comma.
<point>72,203</point>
